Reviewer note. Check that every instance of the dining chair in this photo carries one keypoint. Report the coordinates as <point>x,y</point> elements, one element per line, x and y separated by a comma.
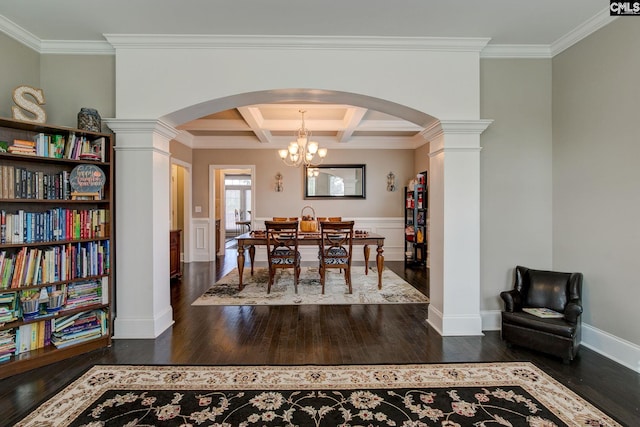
<point>336,247</point>
<point>282,249</point>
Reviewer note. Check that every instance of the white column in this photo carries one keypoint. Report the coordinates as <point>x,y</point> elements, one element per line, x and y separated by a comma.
<point>142,218</point>
<point>454,223</point>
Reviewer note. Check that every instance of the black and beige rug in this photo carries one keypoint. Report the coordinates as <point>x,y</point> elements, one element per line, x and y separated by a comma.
<point>447,395</point>
<point>365,288</point>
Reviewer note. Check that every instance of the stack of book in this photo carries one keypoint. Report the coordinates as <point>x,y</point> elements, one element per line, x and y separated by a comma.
<point>21,146</point>
<point>7,345</point>
<point>78,328</point>
<point>8,304</point>
<point>82,294</point>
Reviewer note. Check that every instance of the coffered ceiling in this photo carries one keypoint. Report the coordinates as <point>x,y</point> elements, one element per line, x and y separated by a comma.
<point>332,125</point>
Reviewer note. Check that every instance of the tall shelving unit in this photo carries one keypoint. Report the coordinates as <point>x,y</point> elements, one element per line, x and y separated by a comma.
<point>55,247</point>
<point>415,222</point>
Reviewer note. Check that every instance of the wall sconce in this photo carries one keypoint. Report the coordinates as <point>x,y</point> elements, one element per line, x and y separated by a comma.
<point>391,182</point>
<point>279,187</point>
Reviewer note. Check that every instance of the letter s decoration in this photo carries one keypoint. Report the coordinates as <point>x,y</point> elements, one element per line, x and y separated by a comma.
<point>39,115</point>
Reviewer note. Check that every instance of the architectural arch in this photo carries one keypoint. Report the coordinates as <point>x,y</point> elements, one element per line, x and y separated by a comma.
<point>416,81</point>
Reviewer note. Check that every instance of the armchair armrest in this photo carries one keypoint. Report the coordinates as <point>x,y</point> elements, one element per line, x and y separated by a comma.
<point>512,300</point>
<point>572,311</point>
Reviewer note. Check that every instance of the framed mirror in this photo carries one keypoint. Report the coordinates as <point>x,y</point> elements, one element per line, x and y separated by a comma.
<point>334,181</point>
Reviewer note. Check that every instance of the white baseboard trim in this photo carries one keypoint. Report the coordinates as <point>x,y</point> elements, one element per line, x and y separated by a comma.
<point>454,326</point>
<point>612,347</point>
<point>143,328</point>
<point>608,345</point>
<point>491,320</point>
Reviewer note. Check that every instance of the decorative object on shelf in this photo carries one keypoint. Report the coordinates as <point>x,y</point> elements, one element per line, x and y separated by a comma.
<point>23,103</point>
<point>302,151</point>
<point>279,186</point>
<point>87,181</point>
<point>391,182</point>
<point>89,119</point>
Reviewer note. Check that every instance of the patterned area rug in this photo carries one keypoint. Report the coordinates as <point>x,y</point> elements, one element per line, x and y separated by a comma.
<point>451,395</point>
<point>365,289</point>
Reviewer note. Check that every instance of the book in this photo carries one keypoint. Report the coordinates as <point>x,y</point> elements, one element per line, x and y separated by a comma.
<point>543,312</point>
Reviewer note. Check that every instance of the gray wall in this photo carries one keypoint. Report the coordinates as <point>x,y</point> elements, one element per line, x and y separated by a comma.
<point>596,198</point>
<point>71,82</point>
<point>19,66</point>
<point>515,170</point>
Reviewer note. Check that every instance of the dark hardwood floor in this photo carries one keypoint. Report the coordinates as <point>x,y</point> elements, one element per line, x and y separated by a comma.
<point>327,335</point>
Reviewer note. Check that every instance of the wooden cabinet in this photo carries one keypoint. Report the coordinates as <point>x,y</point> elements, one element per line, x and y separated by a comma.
<point>415,222</point>
<point>56,257</point>
<point>217,237</point>
<point>174,253</point>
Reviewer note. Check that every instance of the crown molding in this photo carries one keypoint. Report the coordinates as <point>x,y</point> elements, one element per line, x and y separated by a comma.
<point>582,31</point>
<point>169,41</point>
<point>536,51</point>
<point>19,34</point>
<point>76,47</point>
<point>444,127</point>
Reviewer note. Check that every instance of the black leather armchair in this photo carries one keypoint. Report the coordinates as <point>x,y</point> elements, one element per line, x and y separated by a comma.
<point>560,292</point>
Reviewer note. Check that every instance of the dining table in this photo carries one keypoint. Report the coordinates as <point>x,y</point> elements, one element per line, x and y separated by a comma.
<point>249,241</point>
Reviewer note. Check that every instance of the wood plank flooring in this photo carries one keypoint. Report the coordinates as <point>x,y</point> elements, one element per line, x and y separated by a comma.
<point>324,335</point>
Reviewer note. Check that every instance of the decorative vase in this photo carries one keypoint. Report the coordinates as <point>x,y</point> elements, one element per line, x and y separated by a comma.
<point>89,119</point>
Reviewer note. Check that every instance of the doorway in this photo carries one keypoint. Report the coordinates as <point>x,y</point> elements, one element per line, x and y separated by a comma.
<point>237,197</point>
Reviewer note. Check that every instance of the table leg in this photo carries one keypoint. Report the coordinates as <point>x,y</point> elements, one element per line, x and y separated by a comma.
<point>240,264</point>
<point>366,259</point>
<point>380,263</point>
<point>252,256</point>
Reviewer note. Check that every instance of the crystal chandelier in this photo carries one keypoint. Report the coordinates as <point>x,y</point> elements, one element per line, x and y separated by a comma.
<point>302,151</point>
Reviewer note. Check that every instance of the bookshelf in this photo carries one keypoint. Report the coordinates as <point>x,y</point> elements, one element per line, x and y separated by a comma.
<point>56,258</point>
<point>415,222</point>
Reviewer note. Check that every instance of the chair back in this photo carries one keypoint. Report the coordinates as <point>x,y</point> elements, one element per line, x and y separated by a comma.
<point>282,241</point>
<point>549,289</point>
<point>336,243</point>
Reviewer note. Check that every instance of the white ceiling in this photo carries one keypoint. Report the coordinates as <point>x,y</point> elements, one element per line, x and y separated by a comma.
<point>541,26</point>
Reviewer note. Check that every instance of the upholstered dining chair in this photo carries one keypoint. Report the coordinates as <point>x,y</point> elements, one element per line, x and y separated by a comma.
<point>282,249</point>
<point>336,247</point>
<point>541,289</point>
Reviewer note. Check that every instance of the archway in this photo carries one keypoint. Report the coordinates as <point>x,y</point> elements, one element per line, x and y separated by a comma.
<point>162,82</point>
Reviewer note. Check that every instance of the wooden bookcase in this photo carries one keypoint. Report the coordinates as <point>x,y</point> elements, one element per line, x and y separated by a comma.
<point>415,222</point>
<point>64,243</point>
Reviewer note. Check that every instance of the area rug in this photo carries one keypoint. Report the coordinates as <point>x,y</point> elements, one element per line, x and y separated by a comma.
<point>365,288</point>
<point>451,395</point>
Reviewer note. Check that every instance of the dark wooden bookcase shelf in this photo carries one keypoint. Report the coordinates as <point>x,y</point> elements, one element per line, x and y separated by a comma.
<point>41,206</point>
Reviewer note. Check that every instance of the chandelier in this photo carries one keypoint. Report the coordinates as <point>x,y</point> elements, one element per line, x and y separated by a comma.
<point>302,151</point>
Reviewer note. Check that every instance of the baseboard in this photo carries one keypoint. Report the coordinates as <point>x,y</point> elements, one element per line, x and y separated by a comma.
<point>612,347</point>
<point>124,328</point>
<point>608,345</point>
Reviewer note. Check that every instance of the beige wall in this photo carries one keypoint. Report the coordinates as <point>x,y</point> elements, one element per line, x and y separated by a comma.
<point>596,200</point>
<point>515,172</point>
<point>19,66</point>
<point>378,202</point>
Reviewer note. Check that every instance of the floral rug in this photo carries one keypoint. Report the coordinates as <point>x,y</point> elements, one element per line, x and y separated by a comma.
<point>365,288</point>
<point>449,395</point>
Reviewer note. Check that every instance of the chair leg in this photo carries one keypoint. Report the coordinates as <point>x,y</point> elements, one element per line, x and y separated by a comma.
<point>272,273</point>
<point>347,278</point>
<point>322,272</point>
<point>296,276</point>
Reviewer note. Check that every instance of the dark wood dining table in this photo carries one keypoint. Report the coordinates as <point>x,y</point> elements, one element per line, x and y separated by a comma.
<point>251,240</point>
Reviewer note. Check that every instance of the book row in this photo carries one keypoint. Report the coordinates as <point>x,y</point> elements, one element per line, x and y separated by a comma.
<point>60,332</point>
<point>22,183</point>
<point>32,304</point>
<point>77,147</point>
<point>37,266</point>
<point>53,225</point>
